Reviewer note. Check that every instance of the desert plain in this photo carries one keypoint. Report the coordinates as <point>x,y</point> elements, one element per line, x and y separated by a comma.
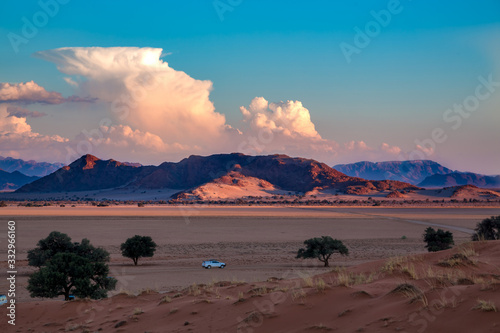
<point>257,244</point>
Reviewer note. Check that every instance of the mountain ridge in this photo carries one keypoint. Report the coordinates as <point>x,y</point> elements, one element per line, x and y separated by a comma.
<point>412,171</point>
<point>28,168</point>
<point>287,173</point>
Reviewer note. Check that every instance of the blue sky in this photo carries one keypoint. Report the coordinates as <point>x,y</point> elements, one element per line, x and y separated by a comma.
<point>394,91</point>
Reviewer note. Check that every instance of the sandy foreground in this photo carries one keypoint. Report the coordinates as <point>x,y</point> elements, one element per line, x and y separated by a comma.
<point>257,243</point>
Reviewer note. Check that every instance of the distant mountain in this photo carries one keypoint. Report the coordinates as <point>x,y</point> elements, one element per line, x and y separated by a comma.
<point>461,178</point>
<point>29,168</point>
<point>274,171</point>
<point>413,172</point>
<point>14,180</point>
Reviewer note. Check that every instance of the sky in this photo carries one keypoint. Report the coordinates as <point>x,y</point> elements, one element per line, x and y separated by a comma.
<point>337,81</point>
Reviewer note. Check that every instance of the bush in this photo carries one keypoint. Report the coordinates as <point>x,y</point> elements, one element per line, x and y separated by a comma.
<point>322,248</point>
<point>438,240</point>
<point>487,229</point>
<point>137,247</point>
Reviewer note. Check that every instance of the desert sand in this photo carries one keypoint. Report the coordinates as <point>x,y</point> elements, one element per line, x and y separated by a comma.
<point>257,243</point>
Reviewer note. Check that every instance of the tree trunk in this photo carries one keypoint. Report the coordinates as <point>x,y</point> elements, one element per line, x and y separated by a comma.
<point>66,294</point>
<point>135,261</point>
<point>326,263</point>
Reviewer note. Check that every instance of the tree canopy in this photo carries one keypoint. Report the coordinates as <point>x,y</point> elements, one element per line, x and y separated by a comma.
<point>438,240</point>
<point>487,229</point>
<point>66,267</point>
<point>137,247</point>
<point>322,248</point>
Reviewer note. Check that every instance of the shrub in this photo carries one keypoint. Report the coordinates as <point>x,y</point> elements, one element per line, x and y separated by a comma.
<point>437,240</point>
<point>487,229</point>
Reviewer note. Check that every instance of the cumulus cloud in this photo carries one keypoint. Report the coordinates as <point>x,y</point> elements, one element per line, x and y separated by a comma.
<point>154,113</point>
<point>30,92</point>
<point>357,146</point>
<point>17,139</point>
<point>290,118</point>
<point>394,150</point>
<point>144,91</point>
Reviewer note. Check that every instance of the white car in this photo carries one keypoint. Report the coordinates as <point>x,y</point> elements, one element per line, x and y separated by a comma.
<point>212,263</point>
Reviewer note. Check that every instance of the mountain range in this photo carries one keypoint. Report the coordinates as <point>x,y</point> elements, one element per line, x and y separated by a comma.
<point>28,168</point>
<point>413,172</point>
<point>423,173</point>
<point>273,172</point>
<point>461,178</point>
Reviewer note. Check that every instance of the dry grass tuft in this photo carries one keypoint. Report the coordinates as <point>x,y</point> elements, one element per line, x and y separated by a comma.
<point>320,285</point>
<point>456,260</point>
<point>486,306</point>
<point>413,293</point>
<point>308,282</point>
<point>348,279</point>
<point>165,299</point>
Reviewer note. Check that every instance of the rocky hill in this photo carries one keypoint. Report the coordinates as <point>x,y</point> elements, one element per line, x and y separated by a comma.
<point>279,172</point>
<point>86,173</point>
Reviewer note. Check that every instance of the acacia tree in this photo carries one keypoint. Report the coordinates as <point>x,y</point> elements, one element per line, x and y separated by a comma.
<point>67,267</point>
<point>137,247</point>
<point>438,240</point>
<point>46,248</point>
<point>487,229</point>
<point>322,248</point>
<point>68,273</point>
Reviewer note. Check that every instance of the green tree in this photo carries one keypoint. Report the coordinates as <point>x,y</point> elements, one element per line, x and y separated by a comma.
<point>67,267</point>
<point>437,240</point>
<point>67,273</point>
<point>487,229</point>
<point>137,247</point>
<point>46,248</point>
<point>58,242</point>
<point>322,248</point>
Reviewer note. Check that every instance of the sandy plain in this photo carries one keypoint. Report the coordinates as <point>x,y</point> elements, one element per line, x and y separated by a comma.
<point>255,242</point>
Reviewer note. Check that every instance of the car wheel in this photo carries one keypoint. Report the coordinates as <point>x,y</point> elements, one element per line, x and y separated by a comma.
<point>222,266</point>
<point>208,267</point>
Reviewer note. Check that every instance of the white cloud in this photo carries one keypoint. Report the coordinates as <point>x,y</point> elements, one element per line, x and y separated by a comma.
<point>30,92</point>
<point>144,91</point>
<point>17,139</point>
<point>394,150</point>
<point>290,118</point>
<point>357,146</point>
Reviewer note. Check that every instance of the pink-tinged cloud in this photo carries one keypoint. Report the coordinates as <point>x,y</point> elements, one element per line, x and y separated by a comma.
<point>144,91</point>
<point>30,93</point>
<point>290,118</point>
<point>17,139</point>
